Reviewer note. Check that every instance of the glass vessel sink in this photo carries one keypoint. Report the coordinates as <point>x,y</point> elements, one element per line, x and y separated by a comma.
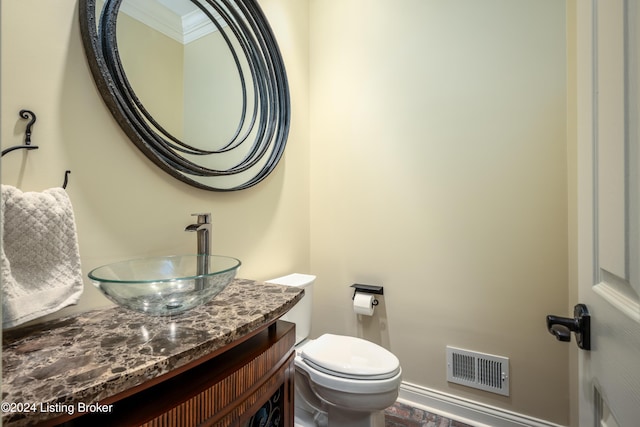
<point>165,285</point>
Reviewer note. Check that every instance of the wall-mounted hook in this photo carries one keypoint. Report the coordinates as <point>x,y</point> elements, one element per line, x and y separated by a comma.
<point>66,178</point>
<point>28,115</point>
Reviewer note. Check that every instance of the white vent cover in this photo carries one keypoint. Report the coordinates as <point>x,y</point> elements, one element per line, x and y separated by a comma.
<point>478,370</point>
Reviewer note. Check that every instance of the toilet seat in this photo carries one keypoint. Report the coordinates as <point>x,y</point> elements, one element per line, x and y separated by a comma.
<point>350,357</point>
<point>349,385</point>
<point>350,376</point>
<point>349,364</point>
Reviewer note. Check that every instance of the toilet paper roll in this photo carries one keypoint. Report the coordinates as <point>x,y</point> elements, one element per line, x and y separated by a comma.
<point>363,304</point>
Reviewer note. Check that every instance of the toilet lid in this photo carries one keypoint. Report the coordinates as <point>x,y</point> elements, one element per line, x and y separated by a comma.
<point>350,357</point>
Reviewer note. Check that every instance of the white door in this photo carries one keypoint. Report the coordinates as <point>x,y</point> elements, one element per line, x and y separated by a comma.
<point>608,90</point>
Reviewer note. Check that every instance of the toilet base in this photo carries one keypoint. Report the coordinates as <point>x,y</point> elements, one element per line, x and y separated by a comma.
<point>335,409</point>
<point>304,419</point>
<point>338,419</point>
<point>355,419</point>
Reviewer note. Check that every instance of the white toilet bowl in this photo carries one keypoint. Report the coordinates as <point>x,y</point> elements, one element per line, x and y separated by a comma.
<point>344,381</point>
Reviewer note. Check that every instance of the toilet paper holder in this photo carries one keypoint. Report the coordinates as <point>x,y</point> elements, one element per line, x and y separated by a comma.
<point>367,289</point>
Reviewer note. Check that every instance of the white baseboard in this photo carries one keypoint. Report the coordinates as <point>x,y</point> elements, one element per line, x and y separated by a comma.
<point>464,410</point>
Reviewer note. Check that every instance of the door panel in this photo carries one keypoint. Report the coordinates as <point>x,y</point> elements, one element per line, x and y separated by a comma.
<point>608,214</point>
<point>614,137</point>
<point>610,138</point>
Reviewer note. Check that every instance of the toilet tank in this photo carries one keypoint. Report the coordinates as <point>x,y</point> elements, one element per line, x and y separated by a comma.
<point>300,314</point>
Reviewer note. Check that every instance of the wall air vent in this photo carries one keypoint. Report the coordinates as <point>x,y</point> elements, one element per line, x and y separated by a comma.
<point>478,370</point>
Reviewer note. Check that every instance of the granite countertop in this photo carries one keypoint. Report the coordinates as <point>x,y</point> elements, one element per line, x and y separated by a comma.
<point>65,364</point>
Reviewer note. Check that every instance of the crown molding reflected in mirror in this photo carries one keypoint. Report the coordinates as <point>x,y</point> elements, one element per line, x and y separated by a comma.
<point>199,86</point>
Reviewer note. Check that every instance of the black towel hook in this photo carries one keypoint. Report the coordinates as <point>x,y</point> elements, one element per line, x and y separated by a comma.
<point>31,116</point>
<point>66,178</point>
<point>28,115</point>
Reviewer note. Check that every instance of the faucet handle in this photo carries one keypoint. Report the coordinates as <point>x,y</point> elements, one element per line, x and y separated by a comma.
<point>203,218</point>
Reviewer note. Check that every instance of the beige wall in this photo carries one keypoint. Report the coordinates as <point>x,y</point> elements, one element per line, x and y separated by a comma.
<point>212,91</point>
<point>439,170</point>
<point>427,154</point>
<point>152,60</point>
<point>124,205</point>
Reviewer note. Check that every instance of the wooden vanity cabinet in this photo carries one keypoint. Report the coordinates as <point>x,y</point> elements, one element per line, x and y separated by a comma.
<point>227,389</point>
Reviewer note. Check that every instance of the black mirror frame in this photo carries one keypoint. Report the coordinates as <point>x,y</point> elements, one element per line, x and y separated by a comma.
<point>269,79</point>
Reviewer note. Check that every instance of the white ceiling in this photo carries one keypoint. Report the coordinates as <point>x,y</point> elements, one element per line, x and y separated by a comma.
<point>179,19</point>
<point>179,7</point>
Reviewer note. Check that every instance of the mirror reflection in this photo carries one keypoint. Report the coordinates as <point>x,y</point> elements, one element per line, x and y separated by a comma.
<point>199,86</point>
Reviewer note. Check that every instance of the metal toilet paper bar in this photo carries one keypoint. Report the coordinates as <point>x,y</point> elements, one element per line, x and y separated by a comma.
<point>367,289</point>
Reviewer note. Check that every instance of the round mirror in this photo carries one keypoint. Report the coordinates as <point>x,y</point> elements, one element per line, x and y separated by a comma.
<point>198,85</point>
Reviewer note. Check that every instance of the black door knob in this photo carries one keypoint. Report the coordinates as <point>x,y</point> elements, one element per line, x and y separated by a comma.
<point>580,324</point>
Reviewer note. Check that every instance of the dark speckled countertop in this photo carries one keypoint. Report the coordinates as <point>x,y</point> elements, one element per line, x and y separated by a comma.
<point>83,359</point>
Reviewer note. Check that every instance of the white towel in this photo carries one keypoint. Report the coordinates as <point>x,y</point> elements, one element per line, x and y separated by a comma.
<point>40,258</point>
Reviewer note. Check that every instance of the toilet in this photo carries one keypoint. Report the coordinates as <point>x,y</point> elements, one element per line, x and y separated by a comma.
<point>339,380</point>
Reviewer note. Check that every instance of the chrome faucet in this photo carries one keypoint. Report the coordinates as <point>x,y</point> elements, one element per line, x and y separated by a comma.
<point>203,229</point>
